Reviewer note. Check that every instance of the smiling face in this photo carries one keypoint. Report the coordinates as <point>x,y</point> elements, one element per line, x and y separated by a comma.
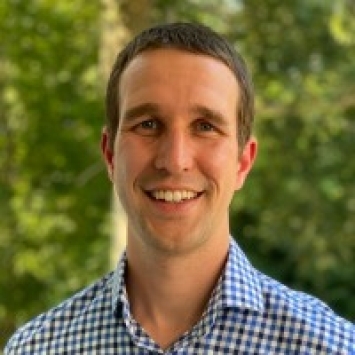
<point>176,162</point>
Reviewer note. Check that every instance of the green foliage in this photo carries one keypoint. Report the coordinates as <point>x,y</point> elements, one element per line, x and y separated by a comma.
<point>300,200</point>
<point>54,194</point>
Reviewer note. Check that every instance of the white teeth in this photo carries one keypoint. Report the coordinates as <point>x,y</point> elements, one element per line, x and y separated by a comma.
<point>173,196</point>
<point>169,196</point>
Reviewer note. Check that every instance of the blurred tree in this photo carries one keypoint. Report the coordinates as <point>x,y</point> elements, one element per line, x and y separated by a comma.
<point>52,238</point>
<point>298,206</point>
<point>113,37</point>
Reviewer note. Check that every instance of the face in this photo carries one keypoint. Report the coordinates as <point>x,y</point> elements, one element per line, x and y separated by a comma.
<point>176,162</point>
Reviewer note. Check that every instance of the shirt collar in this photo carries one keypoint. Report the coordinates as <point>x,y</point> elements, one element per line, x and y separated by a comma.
<point>119,296</point>
<point>239,285</point>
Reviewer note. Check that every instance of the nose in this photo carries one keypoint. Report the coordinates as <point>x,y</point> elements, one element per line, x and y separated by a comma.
<point>174,152</point>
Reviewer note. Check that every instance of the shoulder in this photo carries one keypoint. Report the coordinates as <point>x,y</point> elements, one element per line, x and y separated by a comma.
<point>52,324</point>
<point>307,317</point>
<point>284,319</point>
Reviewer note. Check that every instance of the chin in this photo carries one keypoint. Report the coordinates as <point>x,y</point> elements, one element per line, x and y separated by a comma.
<point>175,244</point>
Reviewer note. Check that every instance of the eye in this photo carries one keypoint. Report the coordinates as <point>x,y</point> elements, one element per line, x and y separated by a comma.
<point>204,126</point>
<point>149,124</point>
<point>148,127</point>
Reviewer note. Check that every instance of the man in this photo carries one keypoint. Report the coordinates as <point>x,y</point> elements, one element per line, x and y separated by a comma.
<point>177,145</point>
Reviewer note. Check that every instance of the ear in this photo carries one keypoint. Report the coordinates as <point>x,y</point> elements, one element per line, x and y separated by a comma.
<point>107,152</point>
<point>246,161</point>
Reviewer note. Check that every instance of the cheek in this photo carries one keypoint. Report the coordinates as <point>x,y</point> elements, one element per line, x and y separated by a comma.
<point>221,163</point>
<point>224,155</point>
<point>130,161</point>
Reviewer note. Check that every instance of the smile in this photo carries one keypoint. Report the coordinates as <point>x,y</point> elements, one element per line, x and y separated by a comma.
<point>173,195</point>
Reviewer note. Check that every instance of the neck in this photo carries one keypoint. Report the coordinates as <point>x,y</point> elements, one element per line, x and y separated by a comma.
<point>168,295</point>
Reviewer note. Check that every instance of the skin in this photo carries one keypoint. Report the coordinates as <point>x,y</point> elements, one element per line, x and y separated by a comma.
<point>178,133</point>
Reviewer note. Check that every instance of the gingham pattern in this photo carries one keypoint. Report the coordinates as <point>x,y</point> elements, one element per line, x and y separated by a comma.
<point>248,313</point>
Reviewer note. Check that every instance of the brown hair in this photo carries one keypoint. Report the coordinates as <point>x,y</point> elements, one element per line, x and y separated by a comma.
<point>191,37</point>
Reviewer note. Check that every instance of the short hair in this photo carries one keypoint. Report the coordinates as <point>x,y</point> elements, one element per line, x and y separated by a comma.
<point>190,37</point>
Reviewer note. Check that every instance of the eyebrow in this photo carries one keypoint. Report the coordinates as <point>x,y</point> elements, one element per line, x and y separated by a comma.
<point>210,114</point>
<point>140,110</point>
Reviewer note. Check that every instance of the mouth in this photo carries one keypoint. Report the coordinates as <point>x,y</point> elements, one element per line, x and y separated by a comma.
<point>173,196</point>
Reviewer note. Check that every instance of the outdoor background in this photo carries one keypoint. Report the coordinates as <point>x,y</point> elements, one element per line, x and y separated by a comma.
<point>295,216</point>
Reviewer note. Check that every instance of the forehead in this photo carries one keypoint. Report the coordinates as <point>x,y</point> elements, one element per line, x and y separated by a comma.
<point>159,54</point>
<point>172,67</point>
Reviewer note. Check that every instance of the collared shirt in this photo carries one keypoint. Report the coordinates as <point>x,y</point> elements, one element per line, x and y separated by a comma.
<point>248,313</point>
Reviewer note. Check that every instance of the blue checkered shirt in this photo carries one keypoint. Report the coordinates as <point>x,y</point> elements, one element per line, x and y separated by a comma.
<point>248,313</point>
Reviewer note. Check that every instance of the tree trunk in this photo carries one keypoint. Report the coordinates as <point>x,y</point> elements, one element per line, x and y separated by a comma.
<point>113,36</point>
